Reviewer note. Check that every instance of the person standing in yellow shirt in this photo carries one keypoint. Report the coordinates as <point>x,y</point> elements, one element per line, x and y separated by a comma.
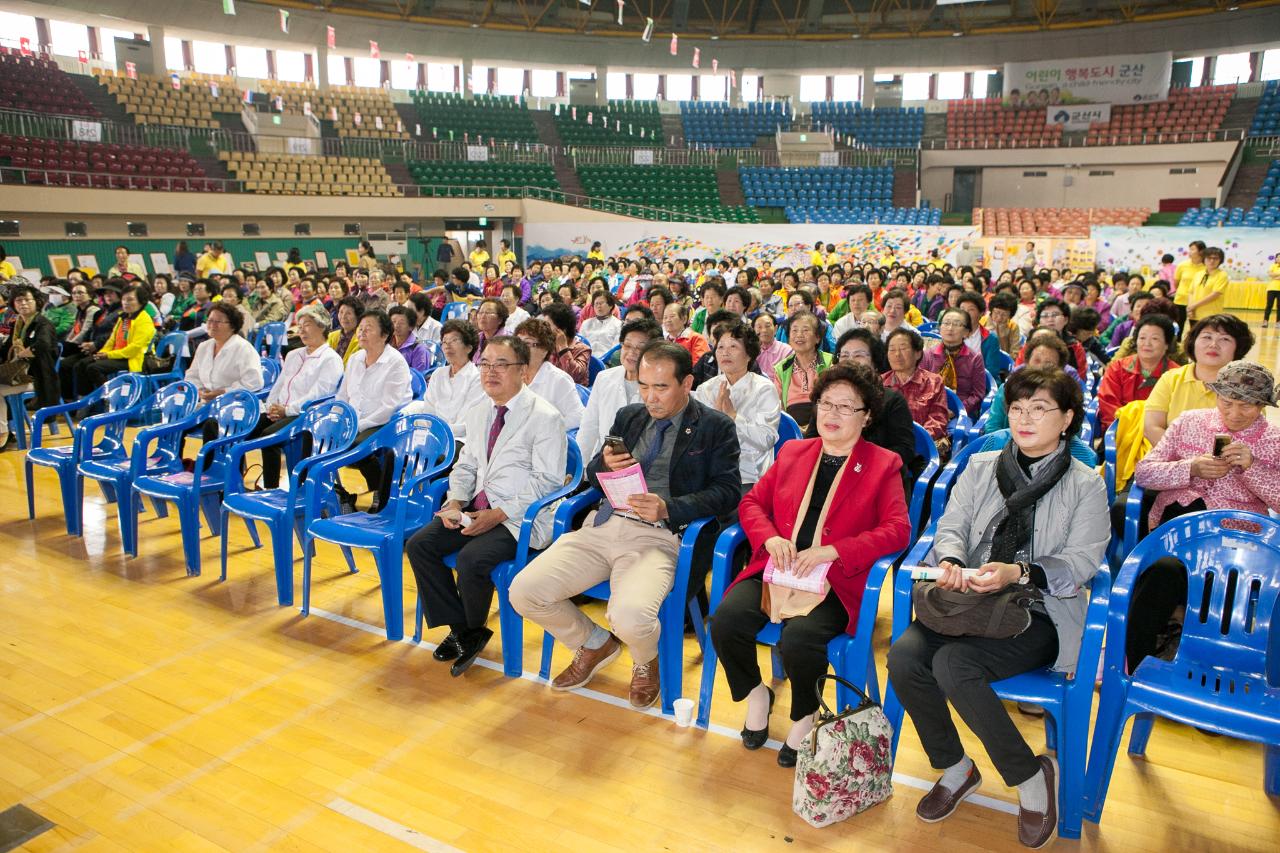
<point>7,270</point>
<point>1273,294</point>
<point>505,255</point>
<point>479,255</point>
<point>213,261</point>
<point>1184,275</point>
<point>816,257</point>
<point>1208,291</point>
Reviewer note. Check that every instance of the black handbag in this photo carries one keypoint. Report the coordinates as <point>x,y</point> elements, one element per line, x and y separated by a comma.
<point>998,615</point>
<point>152,363</point>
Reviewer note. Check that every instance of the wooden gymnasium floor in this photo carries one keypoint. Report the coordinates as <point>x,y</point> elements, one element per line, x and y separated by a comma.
<point>144,710</point>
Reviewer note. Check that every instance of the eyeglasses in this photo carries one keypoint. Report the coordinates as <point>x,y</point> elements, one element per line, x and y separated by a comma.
<point>1035,414</point>
<point>499,365</point>
<point>953,324</point>
<point>844,410</point>
<point>855,355</point>
<point>1051,315</point>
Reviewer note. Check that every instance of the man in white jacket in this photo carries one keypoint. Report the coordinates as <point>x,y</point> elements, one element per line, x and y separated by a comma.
<point>515,454</point>
<point>615,387</point>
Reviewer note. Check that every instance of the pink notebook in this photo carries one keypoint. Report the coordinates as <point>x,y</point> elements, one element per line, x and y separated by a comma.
<point>815,581</point>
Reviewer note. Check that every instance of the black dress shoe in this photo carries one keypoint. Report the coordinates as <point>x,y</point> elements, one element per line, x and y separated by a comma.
<point>448,648</point>
<point>469,648</point>
<point>755,738</point>
<point>786,756</point>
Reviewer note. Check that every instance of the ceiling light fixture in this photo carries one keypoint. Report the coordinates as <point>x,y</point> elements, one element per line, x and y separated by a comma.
<point>957,34</point>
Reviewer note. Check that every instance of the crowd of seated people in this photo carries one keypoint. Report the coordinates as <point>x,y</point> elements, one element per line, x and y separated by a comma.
<point>623,360</point>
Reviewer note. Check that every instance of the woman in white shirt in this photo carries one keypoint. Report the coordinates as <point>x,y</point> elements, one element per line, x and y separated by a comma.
<point>603,329</point>
<point>429,328</point>
<point>310,372</point>
<point>515,314</point>
<point>615,387</point>
<point>544,378</point>
<point>225,362</point>
<point>377,383</point>
<point>162,298</point>
<point>749,398</point>
<point>453,389</point>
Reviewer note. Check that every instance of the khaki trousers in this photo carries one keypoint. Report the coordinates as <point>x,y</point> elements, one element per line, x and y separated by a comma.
<point>639,562</point>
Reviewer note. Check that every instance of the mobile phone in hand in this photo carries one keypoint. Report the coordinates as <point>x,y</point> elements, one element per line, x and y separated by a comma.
<point>616,444</point>
<point>1220,442</point>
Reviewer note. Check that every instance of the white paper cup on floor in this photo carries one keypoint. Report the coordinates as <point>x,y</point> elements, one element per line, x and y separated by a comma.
<point>684,712</point>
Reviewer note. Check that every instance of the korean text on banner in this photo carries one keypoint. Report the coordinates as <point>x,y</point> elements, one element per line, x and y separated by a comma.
<point>478,152</point>
<point>1078,117</point>
<point>642,157</point>
<point>1128,79</point>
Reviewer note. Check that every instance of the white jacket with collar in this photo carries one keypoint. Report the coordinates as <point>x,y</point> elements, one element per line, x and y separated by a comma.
<point>558,388</point>
<point>528,461</point>
<point>758,410</point>
<point>609,393</point>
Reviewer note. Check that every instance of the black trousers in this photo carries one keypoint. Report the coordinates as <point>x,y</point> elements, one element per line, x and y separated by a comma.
<point>67,373</point>
<point>372,468</point>
<point>271,456</point>
<point>461,603</point>
<point>1158,593</point>
<point>928,669</point>
<point>92,373</point>
<point>1273,298</point>
<point>802,644</point>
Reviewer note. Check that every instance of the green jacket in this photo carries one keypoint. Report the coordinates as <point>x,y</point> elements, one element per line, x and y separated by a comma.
<point>63,317</point>
<point>784,370</point>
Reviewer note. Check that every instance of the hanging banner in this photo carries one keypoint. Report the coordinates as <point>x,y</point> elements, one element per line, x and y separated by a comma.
<point>1127,79</point>
<point>130,70</point>
<point>83,57</point>
<point>621,3</point>
<point>306,109</point>
<point>675,44</point>
<point>377,122</point>
<point>86,131</point>
<point>331,37</point>
<point>24,45</point>
<point>228,7</point>
<point>1079,117</point>
<point>298,145</point>
<point>648,30</point>
<point>479,153</point>
<point>175,80</point>
<point>715,66</point>
<point>284,21</point>
<point>213,89</point>
<point>374,53</point>
<point>697,56</point>
<point>642,157</point>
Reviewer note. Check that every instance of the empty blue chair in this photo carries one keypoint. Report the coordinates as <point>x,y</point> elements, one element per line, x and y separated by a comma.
<point>122,394</point>
<point>172,345</point>
<point>173,403</point>
<point>270,373</point>
<point>961,424</point>
<point>584,393</point>
<point>455,311</point>
<point>787,430</point>
<point>671,614</point>
<point>851,657</point>
<point>1067,702</point>
<point>510,623</point>
<point>594,366</point>
<point>269,340</point>
<point>235,413</point>
<point>919,493</point>
<point>418,384</point>
<point>422,447</point>
<point>1223,678</point>
<point>332,426</point>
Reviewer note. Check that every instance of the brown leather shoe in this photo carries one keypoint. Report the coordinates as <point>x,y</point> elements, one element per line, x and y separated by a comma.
<point>644,684</point>
<point>586,663</point>
<point>941,801</point>
<point>1035,829</point>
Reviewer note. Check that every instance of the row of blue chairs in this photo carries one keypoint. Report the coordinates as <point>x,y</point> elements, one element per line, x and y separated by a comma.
<point>863,216</point>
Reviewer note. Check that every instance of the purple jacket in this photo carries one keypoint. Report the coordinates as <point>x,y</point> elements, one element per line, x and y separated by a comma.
<point>971,375</point>
<point>415,353</point>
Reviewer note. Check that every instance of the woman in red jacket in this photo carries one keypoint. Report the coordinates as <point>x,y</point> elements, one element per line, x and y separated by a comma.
<point>830,506</point>
<point>1132,377</point>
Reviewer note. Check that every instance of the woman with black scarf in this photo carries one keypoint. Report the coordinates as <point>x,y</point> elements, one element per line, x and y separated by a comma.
<point>1027,516</point>
<point>100,326</point>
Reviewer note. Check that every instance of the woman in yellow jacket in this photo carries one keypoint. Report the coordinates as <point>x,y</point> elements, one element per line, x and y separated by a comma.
<point>130,339</point>
<point>343,339</point>
<point>1273,294</point>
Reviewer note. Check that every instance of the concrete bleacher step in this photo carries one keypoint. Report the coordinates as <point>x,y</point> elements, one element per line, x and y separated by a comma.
<point>1244,189</point>
<point>1240,113</point>
<point>672,128</point>
<point>544,122</point>
<point>904,187</point>
<point>730,186</point>
<point>400,175</point>
<point>101,99</point>
<point>408,116</point>
<point>935,126</point>
<point>566,177</point>
<point>230,122</point>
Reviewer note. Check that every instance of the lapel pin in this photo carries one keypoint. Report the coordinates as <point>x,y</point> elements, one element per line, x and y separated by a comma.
<point>857,468</point>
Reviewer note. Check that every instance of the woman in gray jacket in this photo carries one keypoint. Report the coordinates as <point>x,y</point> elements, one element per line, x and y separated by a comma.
<point>1028,514</point>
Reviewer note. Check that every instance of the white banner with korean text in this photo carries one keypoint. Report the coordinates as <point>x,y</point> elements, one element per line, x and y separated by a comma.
<point>1130,79</point>
<point>1078,117</point>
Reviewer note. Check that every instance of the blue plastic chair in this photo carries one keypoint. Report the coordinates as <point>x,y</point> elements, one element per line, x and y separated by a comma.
<point>422,447</point>
<point>584,393</point>
<point>1132,520</point>
<point>455,311</point>
<point>270,373</point>
<point>20,419</point>
<point>787,430</point>
<point>1067,702</point>
<point>1221,678</point>
<point>236,413</point>
<point>961,424</point>
<point>1006,362</point>
<point>332,427</point>
<point>121,393</point>
<point>594,366</point>
<point>990,396</point>
<point>612,351</point>
<point>171,404</point>
<point>269,340</point>
<point>1109,459</point>
<point>173,345</point>
<point>919,493</point>
<point>418,384</point>
<point>510,623</point>
<point>851,657</point>
<point>671,614</point>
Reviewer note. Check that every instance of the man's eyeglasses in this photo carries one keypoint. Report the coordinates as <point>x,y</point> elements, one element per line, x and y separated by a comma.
<point>499,365</point>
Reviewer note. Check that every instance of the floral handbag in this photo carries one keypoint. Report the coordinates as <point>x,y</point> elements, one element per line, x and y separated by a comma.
<point>845,766</point>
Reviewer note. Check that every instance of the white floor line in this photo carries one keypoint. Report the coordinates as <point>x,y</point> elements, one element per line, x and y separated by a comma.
<point>389,827</point>
<point>619,702</point>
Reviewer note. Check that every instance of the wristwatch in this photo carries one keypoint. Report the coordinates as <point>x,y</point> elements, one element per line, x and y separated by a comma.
<point>1025,577</point>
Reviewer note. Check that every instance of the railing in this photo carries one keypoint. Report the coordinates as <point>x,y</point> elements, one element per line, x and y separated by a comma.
<point>60,178</point>
<point>716,158</point>
<point>85,129</point>
<point>1270,145</point>
<point>1095,141</point>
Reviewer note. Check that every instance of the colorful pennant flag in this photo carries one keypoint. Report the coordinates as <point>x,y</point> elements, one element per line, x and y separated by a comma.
<point>306,108</point>
<point>130,70</point>
<point>399,126</point>
<point>358,119</point>
<point>573,113</point>
<point>247,97</point>
<point>373,50</point>
<point>333,113</point>
<point>279,103</point>
<point>377,122</point>
<point>589,118</point>
<point>83,57</point>
<point>417,130</point>
<point>697,54</point>
<point>648,30</point>
<point>331,37</point>
<point>24,45</point>
<point>213,89</point>
<point>228,7</point>
<point>715,66</point>
<point>733,79</point>
<point>621,3</point>
<point>175,80</point>
<point>284,21</point>
<point>675,44</point>
<point>408,57</point>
